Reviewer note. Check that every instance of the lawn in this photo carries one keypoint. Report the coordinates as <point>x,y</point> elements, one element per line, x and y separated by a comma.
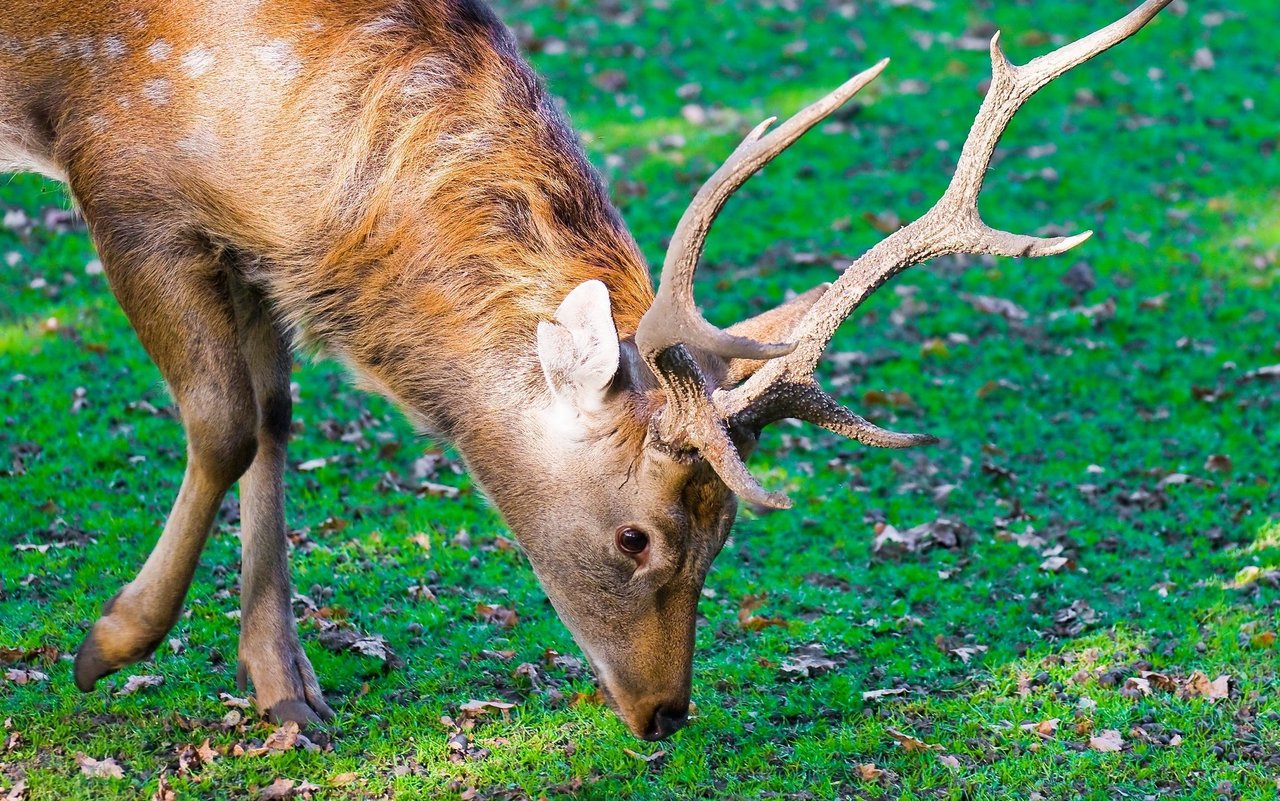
<point>1076,594</point>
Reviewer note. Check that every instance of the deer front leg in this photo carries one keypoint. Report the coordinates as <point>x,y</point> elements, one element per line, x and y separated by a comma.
<point>177,302</point>
<point>285,685</point>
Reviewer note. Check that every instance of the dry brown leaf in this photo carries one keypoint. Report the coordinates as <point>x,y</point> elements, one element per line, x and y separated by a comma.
<point>869,772</point>
<point>19,676</point>
<point>499,615</point>
<point>1054,563</point>
<point>654,757</point>
<point>1218,463</point>
<point>1198,684</point>
<point>876,695</point>
<point>1159,681</point>
<point>99,768</point>
<point>278,789</point>
<point>1045,728</point>
<point>967,652</point>
<point>135,683</point>
<point>911,744</point>
<point>752,622</point>
<point>193,756</point>
<point>343,778</point>
<point>1107,741</point>
<point>997,306</point>
<point>950,761</point>
<point>810,660</point>
<point>474,709</point>
<point>164,791</point>
<point>284,738</point>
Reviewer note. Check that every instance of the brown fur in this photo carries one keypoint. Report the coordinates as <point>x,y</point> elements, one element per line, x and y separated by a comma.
<point>389,183</point>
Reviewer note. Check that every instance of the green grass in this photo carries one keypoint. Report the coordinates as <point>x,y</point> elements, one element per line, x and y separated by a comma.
<point>1173,166</point>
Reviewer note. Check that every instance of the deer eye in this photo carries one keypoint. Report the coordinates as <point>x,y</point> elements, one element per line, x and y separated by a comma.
<point>631,541</point>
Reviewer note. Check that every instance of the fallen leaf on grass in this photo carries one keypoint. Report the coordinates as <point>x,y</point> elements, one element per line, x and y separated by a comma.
<point>1107,741</point>
<point>99,768</point>
<point>808,661</point>
<point>338,639</point>
<point>1136,687</point>
<point>1245,577</point>
<point>869,772</point>
<point>1045,728</point>
<point>1271,373</point>
<point>647,758</point>
<point>752,622</point>
<point>46,653</point>
<point>498,615</point>
<point>343,778</point>
<point>474,709</point>
<point>135,683</point>
<point>911,744</point>
<point>1054,563</point>
<point>164,791</point>
<point>19,676</point>
<point>940,533</point>
<point>232,701</point>
<point>193,756</point>
<point>997,306</point>
<point>876,695</point>
<point>1218,463</point>
<point>1198,684</point>
<point>280,788</point>
<point>967,652</point>
<point>1159,680</point>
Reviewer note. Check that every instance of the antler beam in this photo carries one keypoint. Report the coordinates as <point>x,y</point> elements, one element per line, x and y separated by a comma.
<point>785,386</point>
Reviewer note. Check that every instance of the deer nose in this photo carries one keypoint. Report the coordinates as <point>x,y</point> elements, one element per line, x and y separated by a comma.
<point>667,719</point>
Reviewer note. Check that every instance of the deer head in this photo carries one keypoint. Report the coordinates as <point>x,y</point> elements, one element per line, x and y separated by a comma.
<point>645,439</point>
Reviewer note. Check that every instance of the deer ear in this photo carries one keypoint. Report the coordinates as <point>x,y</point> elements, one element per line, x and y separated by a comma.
<point>579,351</point>
<point>774,325</point>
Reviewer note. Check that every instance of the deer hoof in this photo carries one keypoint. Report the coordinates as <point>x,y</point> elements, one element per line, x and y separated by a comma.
<point>298,712</point>
<point>91,665</point>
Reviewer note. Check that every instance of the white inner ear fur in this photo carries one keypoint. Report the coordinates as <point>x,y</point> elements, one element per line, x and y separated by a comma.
<point>579,351</point>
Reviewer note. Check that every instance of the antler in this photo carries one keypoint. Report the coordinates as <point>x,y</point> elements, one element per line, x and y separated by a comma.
<point>785,386</point>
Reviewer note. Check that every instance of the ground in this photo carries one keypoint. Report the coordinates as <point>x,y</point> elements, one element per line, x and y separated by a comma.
<point>1074,595</point>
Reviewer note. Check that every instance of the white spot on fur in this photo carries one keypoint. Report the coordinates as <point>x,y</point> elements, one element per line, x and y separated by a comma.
<point>278,56</point>
<point>59,43</point>
<point>159,50</point>
<point>197,62</point>
<point>113,47</point>
<point>84,48</point>
<point>200,141</point>
<point>382,25</point>
<point>157,91</point>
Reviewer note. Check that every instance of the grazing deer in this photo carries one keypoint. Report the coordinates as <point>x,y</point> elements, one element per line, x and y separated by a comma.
<point>389,182</point>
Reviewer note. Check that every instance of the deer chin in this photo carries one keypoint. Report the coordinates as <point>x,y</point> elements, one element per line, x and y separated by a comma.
<point>642,718</point>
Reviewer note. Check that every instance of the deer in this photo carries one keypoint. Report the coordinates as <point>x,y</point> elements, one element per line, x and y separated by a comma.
<point>389,184</point>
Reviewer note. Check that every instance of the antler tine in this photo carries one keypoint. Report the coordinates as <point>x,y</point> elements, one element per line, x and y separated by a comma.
<point>674,318</point>
<point>953,225</point>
